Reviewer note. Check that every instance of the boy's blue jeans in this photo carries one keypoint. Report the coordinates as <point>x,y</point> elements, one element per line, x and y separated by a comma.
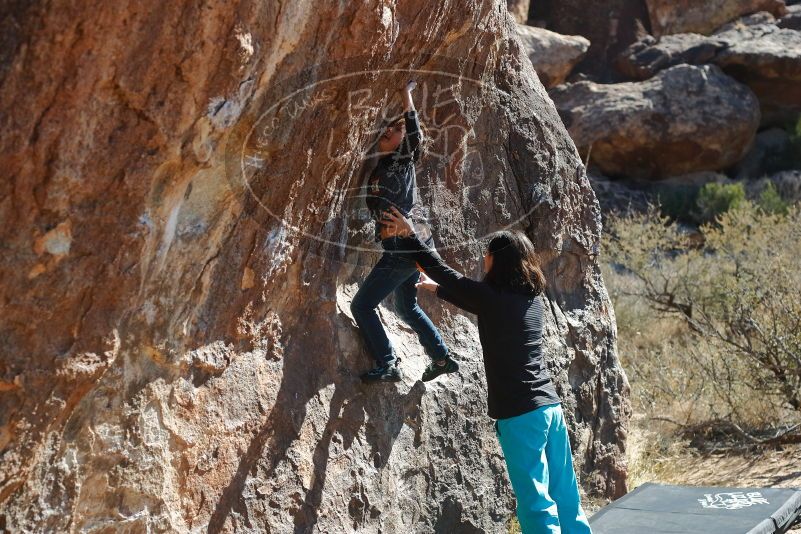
<point>538,458</point>
<point>397,272</point>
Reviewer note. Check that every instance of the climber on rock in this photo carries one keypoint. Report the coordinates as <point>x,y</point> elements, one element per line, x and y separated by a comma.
<point>392,184</point>
<point>520,394</point>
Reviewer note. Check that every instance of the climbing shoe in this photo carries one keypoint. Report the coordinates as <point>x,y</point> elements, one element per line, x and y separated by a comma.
<point>383,373</point>
<point>434,370</point>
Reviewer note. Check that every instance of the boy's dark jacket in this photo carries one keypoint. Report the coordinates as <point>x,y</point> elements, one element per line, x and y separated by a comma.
<point>393,182</point>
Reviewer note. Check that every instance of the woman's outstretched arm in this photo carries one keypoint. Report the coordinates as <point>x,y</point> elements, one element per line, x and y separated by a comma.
<point>464,292</point>
<point>442,293</point>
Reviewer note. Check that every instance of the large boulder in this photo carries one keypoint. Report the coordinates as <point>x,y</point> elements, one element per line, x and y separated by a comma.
<point>182,236</point>
<point>704,16</point>
<point>553,55</point>
<point>760,54</point>
<point>686,119</point>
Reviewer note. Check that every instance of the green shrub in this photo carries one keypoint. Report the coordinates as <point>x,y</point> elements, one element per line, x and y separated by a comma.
<point>771,202</point>
<point>715,199</point>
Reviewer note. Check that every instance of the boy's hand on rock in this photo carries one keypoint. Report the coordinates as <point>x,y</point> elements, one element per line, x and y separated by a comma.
<point>410,85</point>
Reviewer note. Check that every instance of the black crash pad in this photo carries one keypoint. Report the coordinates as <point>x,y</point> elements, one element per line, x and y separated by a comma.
<point>661,509</point>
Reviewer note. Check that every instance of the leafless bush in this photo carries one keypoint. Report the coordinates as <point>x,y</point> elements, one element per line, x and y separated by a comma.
<point>710,320</point>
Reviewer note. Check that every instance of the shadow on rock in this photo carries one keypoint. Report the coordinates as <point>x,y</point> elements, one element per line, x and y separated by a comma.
<point>383,408</point>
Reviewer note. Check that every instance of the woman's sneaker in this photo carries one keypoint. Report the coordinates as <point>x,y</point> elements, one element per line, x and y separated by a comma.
<point>383,373</point>
<point>434,370</point>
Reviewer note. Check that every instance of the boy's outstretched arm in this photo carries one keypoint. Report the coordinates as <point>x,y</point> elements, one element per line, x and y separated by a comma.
<point>406,93</point>
<point>411,142</point>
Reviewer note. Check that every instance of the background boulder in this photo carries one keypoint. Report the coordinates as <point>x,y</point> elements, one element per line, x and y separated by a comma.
<point>685,119</point>
<point>786,183</point>
<point>761,55</point>
<point>704,16</point>
<point>770,148</point>
<point>792,20</point>
<point>553,55</point>
<point>610,27</point>
<point>768,60</point>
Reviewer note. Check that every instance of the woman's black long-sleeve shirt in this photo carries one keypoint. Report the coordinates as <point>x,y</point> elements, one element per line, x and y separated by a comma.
<point>510,330</point>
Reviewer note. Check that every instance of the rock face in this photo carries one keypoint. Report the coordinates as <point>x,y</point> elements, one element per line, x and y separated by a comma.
<point>763,56</point>
<point>686,119</point>
<point>704,16</point>
<point>553,55</point>
<point>182,235</point>
<point>610,26</point>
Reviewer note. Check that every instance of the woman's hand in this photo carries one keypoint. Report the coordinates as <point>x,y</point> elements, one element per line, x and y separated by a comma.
<point>426,283</point>
<point>396,223</point>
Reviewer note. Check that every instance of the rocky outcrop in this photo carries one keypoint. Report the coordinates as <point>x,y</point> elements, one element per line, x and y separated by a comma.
<point>553,55</point>
<point>646,58</point>
<point>675,196</point>
<point>610,26</point>
<point>704,16</point>
<point>181,239</point>
<point>686,119</point>
<point>768,60</point>
<point>763,56</point>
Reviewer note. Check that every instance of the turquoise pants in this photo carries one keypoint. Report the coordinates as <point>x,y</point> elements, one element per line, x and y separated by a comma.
<point>538,458</point>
